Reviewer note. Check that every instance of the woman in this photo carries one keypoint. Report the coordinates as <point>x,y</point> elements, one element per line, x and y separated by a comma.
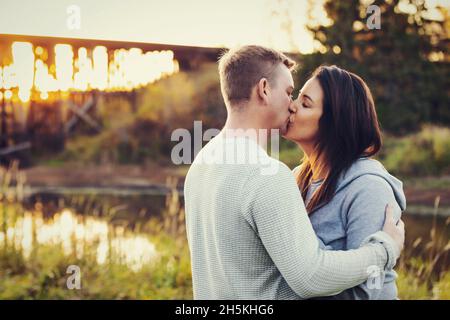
<point>345,191</point>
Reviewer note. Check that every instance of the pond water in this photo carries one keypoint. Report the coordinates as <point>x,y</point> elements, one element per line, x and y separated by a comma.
<point>131,208</point>
<point>112,220</point>
<point>77,234</point>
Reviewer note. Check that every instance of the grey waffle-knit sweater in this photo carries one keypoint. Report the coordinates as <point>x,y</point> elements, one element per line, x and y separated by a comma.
<point>249,234</point>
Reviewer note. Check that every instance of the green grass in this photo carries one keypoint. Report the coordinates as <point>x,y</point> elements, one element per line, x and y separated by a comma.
<point>44,276</point>
<point>427,183</point>
<point>41,273</point>
<point>424,153</point>
<point>412,287</point>
<point>423,270</point>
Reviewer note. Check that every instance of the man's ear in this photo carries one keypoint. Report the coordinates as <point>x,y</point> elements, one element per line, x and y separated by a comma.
<point>262,90</point>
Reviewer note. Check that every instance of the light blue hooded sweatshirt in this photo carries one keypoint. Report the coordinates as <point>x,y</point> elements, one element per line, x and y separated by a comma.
<point>356,211</point>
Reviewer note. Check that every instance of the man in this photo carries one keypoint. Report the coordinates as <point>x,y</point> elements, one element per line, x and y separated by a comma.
<point>248,230</point>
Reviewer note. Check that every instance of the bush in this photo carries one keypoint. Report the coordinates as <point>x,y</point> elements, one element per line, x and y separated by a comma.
<point>290,153</point>
<point>426,152</point>
<point>134,136</point>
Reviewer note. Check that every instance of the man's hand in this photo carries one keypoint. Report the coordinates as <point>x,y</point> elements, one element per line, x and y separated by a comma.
<point>394,229</point>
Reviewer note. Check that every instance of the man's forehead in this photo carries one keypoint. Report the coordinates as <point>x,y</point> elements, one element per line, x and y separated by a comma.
<point>284,76</point>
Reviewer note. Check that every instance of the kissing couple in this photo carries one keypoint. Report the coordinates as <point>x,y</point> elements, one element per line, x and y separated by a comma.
<point>328,229</point>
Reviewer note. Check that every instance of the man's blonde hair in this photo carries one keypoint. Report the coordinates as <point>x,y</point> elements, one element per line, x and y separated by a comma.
<point>241,69</point>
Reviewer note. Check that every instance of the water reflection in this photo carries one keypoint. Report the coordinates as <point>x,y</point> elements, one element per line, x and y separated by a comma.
<point>75,234</point>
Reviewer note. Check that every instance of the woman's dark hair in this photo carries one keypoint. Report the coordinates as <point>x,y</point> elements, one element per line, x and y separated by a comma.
<point>348,130</point>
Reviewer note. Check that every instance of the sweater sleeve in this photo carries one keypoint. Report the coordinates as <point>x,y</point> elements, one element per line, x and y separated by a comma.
<point>278,215</point>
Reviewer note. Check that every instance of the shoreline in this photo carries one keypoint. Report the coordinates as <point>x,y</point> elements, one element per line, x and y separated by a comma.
<point>155,179</point>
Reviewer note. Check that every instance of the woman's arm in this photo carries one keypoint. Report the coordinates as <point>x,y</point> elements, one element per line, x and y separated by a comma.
<point>364,215</point>
<point>279,217</point>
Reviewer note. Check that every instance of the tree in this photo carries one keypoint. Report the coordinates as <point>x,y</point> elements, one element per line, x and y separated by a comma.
<point>405,62</point>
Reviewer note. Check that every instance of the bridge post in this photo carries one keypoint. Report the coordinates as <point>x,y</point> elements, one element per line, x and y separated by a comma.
<point>3,124</point>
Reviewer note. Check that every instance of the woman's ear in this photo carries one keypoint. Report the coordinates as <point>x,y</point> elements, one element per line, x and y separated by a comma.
<point>263,90</point>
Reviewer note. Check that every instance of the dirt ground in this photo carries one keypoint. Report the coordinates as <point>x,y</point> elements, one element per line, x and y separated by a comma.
<point>102,176</point>
<point>150,175</point>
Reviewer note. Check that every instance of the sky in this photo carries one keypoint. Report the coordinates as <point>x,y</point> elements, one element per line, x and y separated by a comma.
<point>208,23</point>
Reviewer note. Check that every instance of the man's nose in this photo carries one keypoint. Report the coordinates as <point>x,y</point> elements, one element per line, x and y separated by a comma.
<point>292,108</point>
